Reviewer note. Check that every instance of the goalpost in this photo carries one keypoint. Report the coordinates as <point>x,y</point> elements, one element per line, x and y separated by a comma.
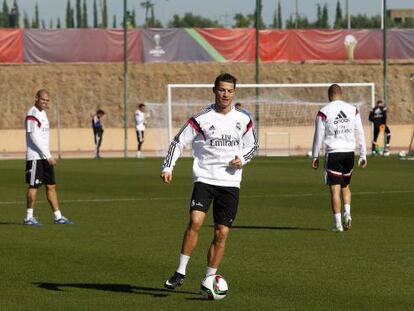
<point>284,114</point>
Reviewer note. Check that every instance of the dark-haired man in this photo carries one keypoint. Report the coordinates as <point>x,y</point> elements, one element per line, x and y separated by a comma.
<point>39,162</point>
<point>378,116</point>
<point>223,141</point>
<point>98,131</point>
<point>336,125</point>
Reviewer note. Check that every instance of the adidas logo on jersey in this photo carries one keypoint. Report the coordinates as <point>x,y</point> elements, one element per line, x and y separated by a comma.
<point>212,128</point>
<point>341,118</point>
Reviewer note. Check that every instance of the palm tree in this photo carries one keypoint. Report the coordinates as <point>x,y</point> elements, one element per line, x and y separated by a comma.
<point>147,5</point>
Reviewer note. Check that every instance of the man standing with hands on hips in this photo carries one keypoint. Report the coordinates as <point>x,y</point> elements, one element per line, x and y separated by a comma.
<point>223,141</point>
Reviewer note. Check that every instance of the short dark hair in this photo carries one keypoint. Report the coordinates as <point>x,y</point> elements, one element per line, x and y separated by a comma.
<point>379,101</point>
<point>141,105</point>
<point>41,92</point>
<point>100,111</point>
<point>225,77</point>
<point>333,90</point>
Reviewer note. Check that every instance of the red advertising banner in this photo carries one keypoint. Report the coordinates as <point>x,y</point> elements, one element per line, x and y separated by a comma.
<point>11,46</point>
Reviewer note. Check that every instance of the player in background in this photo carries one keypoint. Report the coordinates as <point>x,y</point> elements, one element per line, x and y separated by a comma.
<point>140,126</point>
<point>39,162</point>
<point>378,116</point>
<point>223,141</point>
<point>336,125</point>
<point>98,130</point>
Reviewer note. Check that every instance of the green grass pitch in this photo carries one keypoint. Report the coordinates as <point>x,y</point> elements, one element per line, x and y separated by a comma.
<point>280,254</point>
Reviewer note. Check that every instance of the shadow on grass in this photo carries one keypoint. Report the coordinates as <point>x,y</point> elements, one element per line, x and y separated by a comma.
<point>276,228</point>
<point>118,288</point>
<point>11,223</point>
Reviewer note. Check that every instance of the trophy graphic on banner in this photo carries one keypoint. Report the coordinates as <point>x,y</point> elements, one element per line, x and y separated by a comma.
<point>157,51</point>
<point>350,44</point>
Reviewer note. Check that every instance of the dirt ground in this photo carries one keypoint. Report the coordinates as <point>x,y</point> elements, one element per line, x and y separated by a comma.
<point>79,89</point>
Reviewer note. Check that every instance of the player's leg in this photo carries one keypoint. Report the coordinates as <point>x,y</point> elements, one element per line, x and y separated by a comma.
<point>225,206</point>
<point>51,194</point>
<point>334,178</point>
<point>387,140</point>
<point>348,166</point>
<point>140,138</point>
<point>199,204</point>
<point>375,137</point>
<point>34,175</point>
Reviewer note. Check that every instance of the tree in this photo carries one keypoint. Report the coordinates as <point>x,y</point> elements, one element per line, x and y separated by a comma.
<point>242,21</point>
<point>147,5</point>
<point>78,14</point>
<point>133,19</point>
<point>43,24</point>
<point>339,19</point>
<point>325,17</point>
<point>85,15</point>
<point>17,14</point>
<point>51,24</point>
<point>36,19</point>
<point>105,15</point>
<point>303,23</point>
<point>318,23</point>
<point>58,24</point>
<point>260,22</point>
<point>279,15</point>
<point>69,15</point>
<point>26,21</point>
<point>190,21</point>
<point>5,15</point>
<point>362,21</point>
<point>95,15</point>
<point>114,23</point>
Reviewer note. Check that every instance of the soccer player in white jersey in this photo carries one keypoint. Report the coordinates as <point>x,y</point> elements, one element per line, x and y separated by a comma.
<point>336,125</point>
<point>39,162</point>
<point>140,126</point>
<point>223,141</point>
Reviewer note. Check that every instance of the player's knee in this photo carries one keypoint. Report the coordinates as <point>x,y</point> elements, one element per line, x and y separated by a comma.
<point>51,187</point>
<point>221,233</point>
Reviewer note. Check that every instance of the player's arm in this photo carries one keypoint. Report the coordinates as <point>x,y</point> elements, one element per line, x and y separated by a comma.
<point>359,129</point>
<point>33,128</point>
<point>317,138</point>
<point>384,114</point>
<point>250,147</point>
<point>183,138</point>
<point>371,116</point>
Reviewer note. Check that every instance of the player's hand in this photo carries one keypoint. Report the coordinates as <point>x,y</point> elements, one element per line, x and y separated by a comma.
<point>166,177</point>
<point>315,163</point>
<point>236,162</point>
<point>52,161</point>
<point>362,162</point>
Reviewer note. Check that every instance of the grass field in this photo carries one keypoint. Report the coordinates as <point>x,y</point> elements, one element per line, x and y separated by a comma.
<point>280,254</point>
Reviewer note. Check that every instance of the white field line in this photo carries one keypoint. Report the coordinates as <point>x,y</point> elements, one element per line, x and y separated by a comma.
<point>282,195</point>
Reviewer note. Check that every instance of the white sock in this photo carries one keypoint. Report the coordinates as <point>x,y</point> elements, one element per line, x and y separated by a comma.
<point>347,208</point>
<point>210,271</point>
<point>58,214</point>
<point>29,213</point>
<point>337,219</point>
<point>183,263</point>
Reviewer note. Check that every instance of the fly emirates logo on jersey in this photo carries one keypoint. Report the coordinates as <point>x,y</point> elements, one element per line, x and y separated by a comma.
<point>224,140</point>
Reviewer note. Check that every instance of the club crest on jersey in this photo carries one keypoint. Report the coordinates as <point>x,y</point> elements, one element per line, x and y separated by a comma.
<point>238,126</point>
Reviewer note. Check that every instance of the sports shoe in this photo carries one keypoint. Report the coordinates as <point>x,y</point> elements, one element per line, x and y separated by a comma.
<point>336,228</point>
<point>63,221</point>
<point>347,222</point>
<point>32,222</point>
<point>175,281</point>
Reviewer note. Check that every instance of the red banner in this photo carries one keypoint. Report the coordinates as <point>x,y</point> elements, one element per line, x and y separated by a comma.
<point>11,46</point>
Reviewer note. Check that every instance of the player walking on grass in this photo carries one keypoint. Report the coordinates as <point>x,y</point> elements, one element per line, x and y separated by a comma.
<point>39,162</point>
<point>336,125</point>
<point>223,141</point>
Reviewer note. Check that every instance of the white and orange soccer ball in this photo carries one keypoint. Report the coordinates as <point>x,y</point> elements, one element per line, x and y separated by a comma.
<point>214,287</point>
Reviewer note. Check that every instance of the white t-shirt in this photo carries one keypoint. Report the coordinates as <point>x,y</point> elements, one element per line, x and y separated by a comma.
<point>336,125</point>
<point>37,135</point>
<point>139,120</point>
<point>216,139</point>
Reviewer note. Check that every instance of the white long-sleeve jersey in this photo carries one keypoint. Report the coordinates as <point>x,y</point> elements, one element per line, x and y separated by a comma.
<point>139,120</point>
<point>216,139</point>
<point>336,125</point>
<point>37,135</point>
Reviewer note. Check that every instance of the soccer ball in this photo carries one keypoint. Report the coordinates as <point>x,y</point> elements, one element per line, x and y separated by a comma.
<point>214,287</point>
<point>309,154</point>
<point>402,154</point>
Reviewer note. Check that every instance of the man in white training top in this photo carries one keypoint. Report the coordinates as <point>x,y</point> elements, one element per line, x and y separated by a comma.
<point>39,162</point>
<point>140,126</point>
<point>336,125</point>
<point>223,141</point>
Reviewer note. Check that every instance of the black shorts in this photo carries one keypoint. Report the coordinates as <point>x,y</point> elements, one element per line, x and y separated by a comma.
<point>140,136</point>
<point>225,202</point>
<point>97,135</point>
<point>39,172</point>
<point>338,168</point>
